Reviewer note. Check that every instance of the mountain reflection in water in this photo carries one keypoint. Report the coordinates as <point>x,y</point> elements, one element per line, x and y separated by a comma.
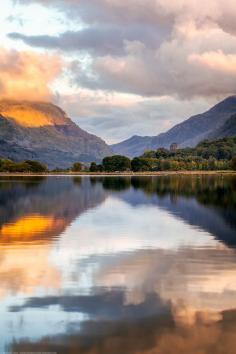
<point>118,264</point>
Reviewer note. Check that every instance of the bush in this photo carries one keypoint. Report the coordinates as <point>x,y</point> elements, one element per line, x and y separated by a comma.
<point>35,166</point>
<point>140,164</point>
<point>24,166</point>
<point>77,167</point>
<point>95,168</point>
<point>116,163</point>
<point>233,163</point>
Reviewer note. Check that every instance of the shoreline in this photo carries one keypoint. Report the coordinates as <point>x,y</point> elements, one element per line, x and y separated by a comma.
<point>119,174</point>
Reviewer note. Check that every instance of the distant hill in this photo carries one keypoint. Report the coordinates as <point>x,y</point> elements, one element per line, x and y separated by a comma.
<point>228,129</point>
<point>186,134</point>
<point>42,131</point>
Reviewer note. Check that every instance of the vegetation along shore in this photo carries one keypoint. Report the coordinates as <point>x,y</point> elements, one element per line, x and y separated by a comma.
<point>217,155</point>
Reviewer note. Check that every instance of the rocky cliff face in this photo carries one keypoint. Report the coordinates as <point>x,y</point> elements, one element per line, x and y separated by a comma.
<point>42,131</point>
<point>188,133</point>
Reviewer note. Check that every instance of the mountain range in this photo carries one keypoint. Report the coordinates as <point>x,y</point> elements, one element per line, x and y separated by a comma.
<point>218,122</point>
<point>42,131</point>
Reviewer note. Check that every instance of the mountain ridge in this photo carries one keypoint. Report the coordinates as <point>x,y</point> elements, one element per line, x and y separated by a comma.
<point>49,135</point>
<point>225,130</point>
<point>186,134</point>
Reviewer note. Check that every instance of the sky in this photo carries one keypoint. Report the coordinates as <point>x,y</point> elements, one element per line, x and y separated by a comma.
<point>119,67</point>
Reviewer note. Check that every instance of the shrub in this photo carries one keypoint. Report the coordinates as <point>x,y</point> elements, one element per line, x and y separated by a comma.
<point>233,163</point>
<point>35,166</point>
<point>77,167</point>
<point>140,164</point>
<point>116,163</point>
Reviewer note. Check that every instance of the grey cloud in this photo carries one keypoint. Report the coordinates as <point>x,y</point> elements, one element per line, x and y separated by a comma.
<point>115,120</point>
<point>149,48</point>
<point>103,11</point>
<point>100,40</point>
<point>95,40</point>
<point>145,11</point>
<point>180,66</point>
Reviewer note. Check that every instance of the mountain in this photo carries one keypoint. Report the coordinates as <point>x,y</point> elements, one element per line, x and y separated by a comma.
<point>186,134</point>
<point>226,130</point>
<point>42,131</point>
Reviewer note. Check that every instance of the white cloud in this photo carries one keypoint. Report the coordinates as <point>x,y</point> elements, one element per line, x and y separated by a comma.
<point>182,49</point>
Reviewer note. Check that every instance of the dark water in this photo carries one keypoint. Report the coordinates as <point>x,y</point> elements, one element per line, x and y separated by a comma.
<point>118,265</point>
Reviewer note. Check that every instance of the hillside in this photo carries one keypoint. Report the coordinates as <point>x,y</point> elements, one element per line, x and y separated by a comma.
<point>42,131</point>
<point>186,134</point>
<point>226,130</point>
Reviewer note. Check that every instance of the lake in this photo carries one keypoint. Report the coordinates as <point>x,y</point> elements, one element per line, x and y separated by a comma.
<point>118,265</point>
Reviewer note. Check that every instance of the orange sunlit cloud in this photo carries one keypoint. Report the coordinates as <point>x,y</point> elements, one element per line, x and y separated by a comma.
<point>217,61</point>
<point>27,75</point>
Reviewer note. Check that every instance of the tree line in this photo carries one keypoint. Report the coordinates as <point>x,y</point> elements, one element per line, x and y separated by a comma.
<point>27,166</point>
<point>208,155</point>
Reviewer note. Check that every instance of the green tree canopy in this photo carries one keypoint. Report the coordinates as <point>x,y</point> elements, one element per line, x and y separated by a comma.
<point>95,168</point>
<point>23,166</point>
<point>233,163</point>
<point>116,163</point>
<point>36,166</point>
<point>140,164</point>
<point>77,167</point>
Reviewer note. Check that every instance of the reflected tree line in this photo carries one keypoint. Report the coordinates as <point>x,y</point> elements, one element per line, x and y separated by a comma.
<point>208,190</point>
<point>193,198</point>
<point>206,202</point>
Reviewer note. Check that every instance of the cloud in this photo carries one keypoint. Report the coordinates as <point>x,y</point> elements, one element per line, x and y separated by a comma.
<point>216,61</point>
<point>168,70</point>
<point>27,75</point>
<point>145,11</point>
<point>115,116</point>
<point>179,52</point>
<point>149,48</point>
<point>98,40</point>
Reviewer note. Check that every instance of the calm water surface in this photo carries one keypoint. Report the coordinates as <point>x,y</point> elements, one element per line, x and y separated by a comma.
<point>111,265</point>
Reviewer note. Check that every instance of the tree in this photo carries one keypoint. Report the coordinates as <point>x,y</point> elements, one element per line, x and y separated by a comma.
<point>77,167</point>
<point>233,163</point>
<point>140,164</point>
<point>19,167</point>
<point>5,165</point>
<point>93,167</point>
<point>23,166</point>
<point>35,166</point>
<point>149,154</point>
<point>100,168</point>
<point>165,165</point>
<point>116,163</point>
<point>174,165</point>
<point>162,153</point>
<point>212,164</point>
